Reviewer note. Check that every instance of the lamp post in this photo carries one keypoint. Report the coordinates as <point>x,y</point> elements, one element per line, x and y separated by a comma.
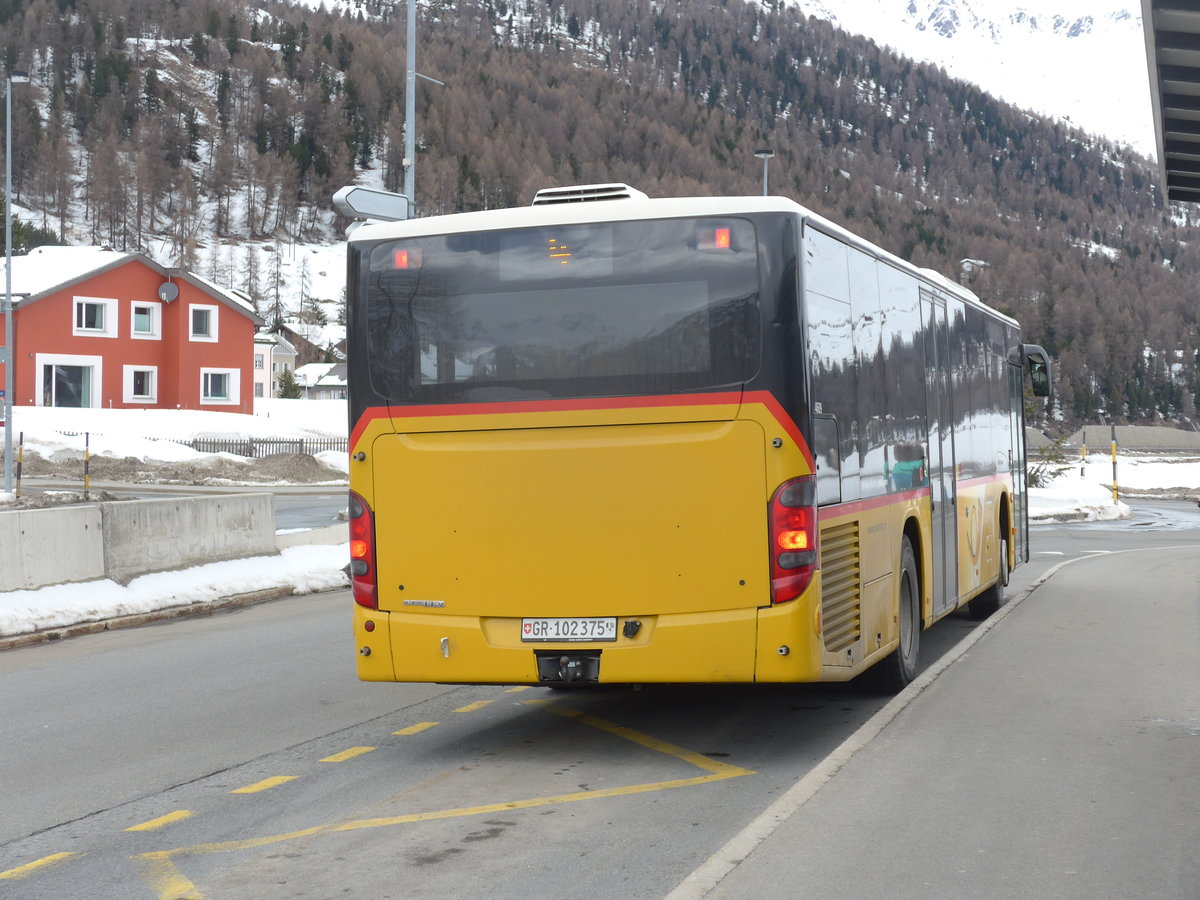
<point>765,155</point>
<point>13,78</point>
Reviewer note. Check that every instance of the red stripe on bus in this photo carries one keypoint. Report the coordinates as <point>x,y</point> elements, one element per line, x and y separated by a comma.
<point>765,398</point>
<point>854,507</point>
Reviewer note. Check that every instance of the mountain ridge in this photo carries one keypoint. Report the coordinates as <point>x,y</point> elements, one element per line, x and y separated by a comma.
<point>210,134</point>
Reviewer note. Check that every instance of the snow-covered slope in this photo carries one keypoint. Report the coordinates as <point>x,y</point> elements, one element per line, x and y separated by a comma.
<point>1083,61</point>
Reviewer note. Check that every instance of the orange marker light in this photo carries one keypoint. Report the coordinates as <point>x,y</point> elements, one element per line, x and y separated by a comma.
<point>400,260</point>
<point>722,239</point>
<point>793,540</point>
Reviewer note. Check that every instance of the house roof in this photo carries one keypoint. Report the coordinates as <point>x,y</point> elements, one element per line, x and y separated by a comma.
<point>271,337</point>
<point>1172,29</point>
<point>335,377</point>
<point>49,269</point>
<point>310,374</point>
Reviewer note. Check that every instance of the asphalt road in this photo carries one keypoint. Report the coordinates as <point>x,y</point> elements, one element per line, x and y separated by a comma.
<point>237,756</point>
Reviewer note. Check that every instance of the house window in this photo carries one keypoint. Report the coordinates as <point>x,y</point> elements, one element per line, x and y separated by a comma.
<point>145,322</point>
<point>140,384</point>
<point>204,322</point>
<point>258,360</point>
<point>216,385</point>
<point>220,386</point>
<point>67,380</point>
<point>258,389</point>
<point>95,317</point>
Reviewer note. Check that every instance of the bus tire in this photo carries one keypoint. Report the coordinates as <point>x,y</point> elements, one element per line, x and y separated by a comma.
<point>900,668</point>
<point>993,598</point>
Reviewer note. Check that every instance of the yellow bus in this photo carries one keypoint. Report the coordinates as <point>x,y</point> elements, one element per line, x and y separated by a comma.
<point>612,439</point>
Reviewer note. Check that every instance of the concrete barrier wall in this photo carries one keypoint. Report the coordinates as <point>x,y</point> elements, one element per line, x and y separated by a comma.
<point>142,536</point>
<point>329,534</point>
<point>39,547</point>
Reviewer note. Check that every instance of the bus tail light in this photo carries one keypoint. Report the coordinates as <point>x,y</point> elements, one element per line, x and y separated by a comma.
<point>362,553</point>
<point>793,538</point>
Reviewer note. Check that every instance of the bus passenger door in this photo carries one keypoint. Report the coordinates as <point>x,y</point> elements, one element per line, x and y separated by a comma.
<point>1016,419</point>
<point>938,387</point>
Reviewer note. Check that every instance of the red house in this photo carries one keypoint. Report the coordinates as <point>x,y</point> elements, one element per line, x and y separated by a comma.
<point>98,328</point>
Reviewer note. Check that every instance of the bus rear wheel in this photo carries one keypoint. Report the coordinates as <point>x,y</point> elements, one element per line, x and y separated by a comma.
<point>900,668</point>
<point>993,598</point>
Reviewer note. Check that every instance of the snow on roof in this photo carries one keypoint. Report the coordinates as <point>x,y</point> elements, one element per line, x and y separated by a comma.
<point>43,269</point>
<point>46,269</point>
<point>309,374</point>
<point>237,299</point>
<point>271,337</point>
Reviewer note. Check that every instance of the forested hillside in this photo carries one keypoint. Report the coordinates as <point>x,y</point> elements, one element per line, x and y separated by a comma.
<point>184,126</point>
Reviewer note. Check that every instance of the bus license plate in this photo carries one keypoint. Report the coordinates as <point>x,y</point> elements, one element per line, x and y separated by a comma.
<point>576,629</point>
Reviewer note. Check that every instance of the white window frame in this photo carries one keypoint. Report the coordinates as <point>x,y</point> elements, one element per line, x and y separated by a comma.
<point>213,321</point>
<point>234,385</point>
<point>259,361</point>
<point>41,360</point>
<point>127,378</point>
<point>155,332</point>
<point>109,328</point>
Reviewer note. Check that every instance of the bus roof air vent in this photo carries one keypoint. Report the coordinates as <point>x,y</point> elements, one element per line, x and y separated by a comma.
<point>582,193</point>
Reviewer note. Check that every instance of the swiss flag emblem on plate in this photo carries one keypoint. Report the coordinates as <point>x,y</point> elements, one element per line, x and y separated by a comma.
<point>527,628</point>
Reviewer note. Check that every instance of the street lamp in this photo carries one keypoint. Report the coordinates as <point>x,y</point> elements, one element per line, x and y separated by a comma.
<point>13,78</point>
<point>765,155</point>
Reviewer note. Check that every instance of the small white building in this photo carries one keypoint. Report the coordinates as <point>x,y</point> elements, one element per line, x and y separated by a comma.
<point>322,381</point>
<point>273,355</point>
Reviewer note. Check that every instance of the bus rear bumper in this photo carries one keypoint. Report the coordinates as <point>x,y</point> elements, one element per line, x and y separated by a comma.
<point>712,647</point>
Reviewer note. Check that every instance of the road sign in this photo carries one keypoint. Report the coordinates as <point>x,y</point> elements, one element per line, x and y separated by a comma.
<point>371,203</point>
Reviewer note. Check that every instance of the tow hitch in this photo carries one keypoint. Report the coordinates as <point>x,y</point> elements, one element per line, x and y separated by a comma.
<point>556,667</point>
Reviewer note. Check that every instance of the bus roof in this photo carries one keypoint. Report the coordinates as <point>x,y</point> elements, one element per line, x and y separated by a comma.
<point>637,206</point>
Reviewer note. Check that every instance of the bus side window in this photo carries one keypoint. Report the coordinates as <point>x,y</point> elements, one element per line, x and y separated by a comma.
<point>828,459</point>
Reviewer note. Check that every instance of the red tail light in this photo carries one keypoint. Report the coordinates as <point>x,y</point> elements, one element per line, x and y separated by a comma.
<point>793,538</point>
<point>362,553</point>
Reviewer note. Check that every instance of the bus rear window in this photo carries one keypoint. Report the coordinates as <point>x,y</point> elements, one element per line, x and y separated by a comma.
<point>582,310</point>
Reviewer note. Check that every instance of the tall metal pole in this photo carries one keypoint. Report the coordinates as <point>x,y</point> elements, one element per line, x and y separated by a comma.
<point>765,155</point>
<point>13,78</point>
<point>8,341</point>
<point>410,110</point>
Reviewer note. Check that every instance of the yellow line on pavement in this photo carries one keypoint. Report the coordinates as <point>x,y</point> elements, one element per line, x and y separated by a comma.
<point>347,754</point>
<point>178,816</point>
<point>518,689</point>
<point>699,760</point>
<point>30,868</point>
<point>418,728</point>
<point>717,771</point>
<point>162,877</point>
<point>471,707</point>
<point>265,785</point>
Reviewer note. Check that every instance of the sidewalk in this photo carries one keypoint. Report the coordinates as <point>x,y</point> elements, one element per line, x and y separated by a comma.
<point>1059,759</point>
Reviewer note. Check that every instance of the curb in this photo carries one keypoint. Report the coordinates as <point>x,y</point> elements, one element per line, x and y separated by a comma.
<point>136,620</point>
<point>706,877</point>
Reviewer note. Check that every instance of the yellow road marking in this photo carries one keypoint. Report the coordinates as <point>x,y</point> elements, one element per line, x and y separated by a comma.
<point>265,785</point>
<point>348,754</point>
<point>518,689</point>
<point>471,707</point>
<point>716,771</point>
<point>161,876</point>
<point>418,728</point>
<point>30,868</point>
<point>178,816</point>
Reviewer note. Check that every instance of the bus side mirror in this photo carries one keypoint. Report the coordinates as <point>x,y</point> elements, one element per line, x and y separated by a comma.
<point>1039,368</point>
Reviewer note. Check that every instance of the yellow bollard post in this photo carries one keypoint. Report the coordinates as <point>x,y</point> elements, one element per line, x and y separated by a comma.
<point>1114,459</point>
